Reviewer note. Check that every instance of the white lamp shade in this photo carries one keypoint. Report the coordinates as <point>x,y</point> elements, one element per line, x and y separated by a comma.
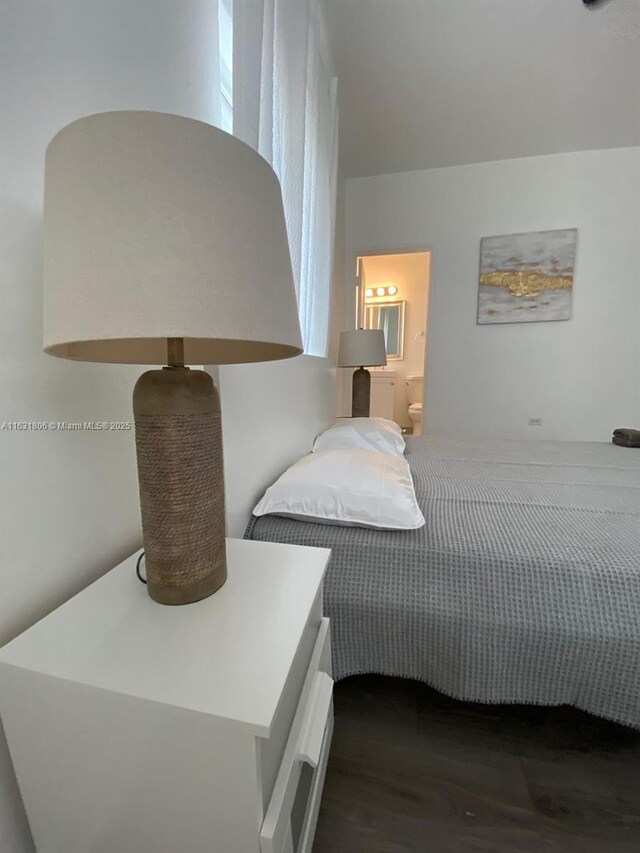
<point>362,348</point>
<point>158,226</point>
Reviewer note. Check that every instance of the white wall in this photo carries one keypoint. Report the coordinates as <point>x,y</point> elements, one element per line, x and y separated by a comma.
<point>580,376</point>
<point>341,307</point>
<point>69,500</point>
<point>271,414</point>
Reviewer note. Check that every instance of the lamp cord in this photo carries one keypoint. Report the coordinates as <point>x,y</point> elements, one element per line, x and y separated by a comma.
<point>140,578</point>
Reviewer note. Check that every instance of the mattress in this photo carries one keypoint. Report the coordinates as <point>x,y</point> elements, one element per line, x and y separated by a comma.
<point>523,585</point>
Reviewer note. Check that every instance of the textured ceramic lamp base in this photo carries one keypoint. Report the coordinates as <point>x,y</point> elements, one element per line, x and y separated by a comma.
<point>180,473</point>
<point>361,393</point>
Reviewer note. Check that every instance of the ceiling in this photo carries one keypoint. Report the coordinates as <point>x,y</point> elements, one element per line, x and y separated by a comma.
<point>430,83</point>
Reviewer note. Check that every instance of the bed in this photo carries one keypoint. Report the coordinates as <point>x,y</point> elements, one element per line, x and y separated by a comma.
<point>523,585</point>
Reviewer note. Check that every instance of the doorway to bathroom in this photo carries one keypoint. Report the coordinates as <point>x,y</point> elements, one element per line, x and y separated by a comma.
<point>392,294</point>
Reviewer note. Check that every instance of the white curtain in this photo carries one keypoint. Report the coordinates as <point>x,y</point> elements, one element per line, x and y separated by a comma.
<point>285,106</point>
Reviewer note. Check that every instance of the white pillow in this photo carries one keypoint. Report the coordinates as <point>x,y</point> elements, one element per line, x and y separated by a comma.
<point>382,423</point>
<point>361,488</point>
<point>362,433</point>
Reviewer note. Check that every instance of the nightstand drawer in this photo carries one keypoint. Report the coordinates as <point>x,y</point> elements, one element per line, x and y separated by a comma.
<point>292,812</point>
<point>271,749</point>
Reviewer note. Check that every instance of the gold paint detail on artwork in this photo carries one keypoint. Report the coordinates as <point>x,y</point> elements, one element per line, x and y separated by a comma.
<point>526,282</point>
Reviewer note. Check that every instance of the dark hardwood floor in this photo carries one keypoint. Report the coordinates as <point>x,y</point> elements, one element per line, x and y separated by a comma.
<point>412,770</point>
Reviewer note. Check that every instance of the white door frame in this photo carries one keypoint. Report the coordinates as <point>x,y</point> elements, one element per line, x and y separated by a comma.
<point>351,311</point>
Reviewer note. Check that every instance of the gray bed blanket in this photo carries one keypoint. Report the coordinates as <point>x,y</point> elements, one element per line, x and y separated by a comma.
<point>523,586</point>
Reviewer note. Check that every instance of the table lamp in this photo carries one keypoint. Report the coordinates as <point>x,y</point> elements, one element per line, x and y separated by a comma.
<point>361,348</point>
<point>165,243</point>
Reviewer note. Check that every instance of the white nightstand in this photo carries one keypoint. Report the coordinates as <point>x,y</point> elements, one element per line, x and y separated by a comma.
<point>140,728</point>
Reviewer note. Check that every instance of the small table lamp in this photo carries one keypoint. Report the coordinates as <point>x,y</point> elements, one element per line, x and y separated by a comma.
<point>361,348</point>
<point>165,243</point>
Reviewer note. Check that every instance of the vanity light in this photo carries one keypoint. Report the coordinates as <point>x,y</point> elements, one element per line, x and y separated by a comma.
<point>391,290</point>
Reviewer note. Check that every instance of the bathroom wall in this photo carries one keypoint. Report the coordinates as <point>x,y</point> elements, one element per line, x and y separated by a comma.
<point>409,272</point>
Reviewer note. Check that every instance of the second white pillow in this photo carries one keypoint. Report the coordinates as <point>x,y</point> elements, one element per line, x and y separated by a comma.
<point>363,434</point>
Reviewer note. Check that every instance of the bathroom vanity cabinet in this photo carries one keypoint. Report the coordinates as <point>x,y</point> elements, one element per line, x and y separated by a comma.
<point>383,395</point>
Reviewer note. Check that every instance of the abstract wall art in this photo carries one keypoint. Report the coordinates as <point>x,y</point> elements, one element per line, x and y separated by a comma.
<point>526,278</point>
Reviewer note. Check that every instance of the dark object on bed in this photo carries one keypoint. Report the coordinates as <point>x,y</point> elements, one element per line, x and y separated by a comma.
<point>626,437</point>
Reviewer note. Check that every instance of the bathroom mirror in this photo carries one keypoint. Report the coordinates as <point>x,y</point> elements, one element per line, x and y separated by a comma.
<point>388,316</point>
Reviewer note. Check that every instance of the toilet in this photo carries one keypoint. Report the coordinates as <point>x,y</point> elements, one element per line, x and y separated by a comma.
<point>414,398</point>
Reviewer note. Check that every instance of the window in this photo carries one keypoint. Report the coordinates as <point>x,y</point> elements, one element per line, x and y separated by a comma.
<point>225,29</point>
<point>286,108</point>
